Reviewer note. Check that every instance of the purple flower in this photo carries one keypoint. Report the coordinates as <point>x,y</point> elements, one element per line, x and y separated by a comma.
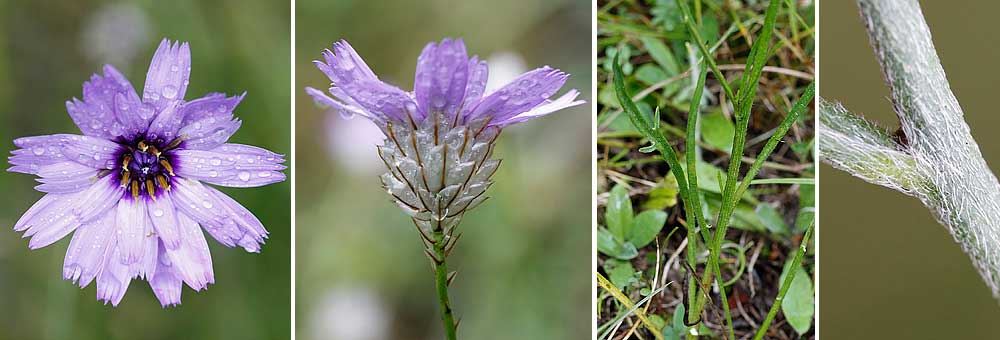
<point>130,188</point>
<point>448,83</point>
<point>440,137</point>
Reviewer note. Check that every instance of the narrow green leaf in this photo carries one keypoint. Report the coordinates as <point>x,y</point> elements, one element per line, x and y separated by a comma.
<point>802,181</point>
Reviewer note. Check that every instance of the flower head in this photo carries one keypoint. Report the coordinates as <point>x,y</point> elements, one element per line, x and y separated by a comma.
<point>440,137</point>
<point>130,188</point>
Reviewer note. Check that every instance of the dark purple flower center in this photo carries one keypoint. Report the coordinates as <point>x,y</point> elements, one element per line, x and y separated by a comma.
<point>145,167</point>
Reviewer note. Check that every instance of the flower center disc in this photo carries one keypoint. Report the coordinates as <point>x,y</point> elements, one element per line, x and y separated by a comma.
<point>145,170</point>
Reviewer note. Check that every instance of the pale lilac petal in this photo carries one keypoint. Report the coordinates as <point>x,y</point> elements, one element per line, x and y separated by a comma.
<point>132,222</point>
<point>520,95</point>
<point>166,280</point>
<point>36,152</point>
<point>94,152</point>
<point>87,250</point>
<point>169,71</point>
<point>40,208</point>
<point>211,105</point>
<point>146,266</point>
<point>232,165</point>
<point>201,204</point>
<point>192,259</point>
<point>344,65</point>
<point>209,132</point>
<point>65,177</point>
<point>115,277</point>
<point>163,214</point>
<point>132,113</point>
<point>343,108</point>
<point>565,101</point>
<point>478,74</point>
<point>96,114</point>
<point>243,217</point>
<point>441,78</point>
<point>383,100</point>
<point>60,214</point>
<point>163,128</point>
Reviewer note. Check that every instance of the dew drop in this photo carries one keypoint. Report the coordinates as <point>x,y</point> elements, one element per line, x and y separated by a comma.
<point>264,174</point>
<point>169,92</point>
<point>206,204</point>
<point>158,213</point>
<point>38,150</point>
<point>244,176</point>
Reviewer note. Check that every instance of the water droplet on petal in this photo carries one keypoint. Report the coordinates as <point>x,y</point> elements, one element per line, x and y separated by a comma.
<point>206,204</point>
<point>244,176</point>
<point>158,213</point>
<point>169,92</point>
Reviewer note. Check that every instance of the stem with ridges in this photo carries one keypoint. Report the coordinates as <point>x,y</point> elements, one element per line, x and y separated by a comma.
<point>441,276</point>
<point>939,152</point>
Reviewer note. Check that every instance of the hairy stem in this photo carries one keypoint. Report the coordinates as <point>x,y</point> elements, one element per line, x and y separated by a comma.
<point>441,278</point>
<point>938,161</point>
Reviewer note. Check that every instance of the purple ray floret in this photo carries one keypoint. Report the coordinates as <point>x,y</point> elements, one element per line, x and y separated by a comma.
<point>130,188</point>
<point>447,82</point>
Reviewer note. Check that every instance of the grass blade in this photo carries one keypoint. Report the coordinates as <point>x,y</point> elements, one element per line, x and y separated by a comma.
<point>633,308</point>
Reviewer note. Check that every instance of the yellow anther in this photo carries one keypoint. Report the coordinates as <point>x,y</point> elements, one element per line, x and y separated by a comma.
<point>125,176</point>
<point>125,161</point>
<point>166,165</point>
<point>142,146</point>
<point>163,182</point>
<point>153,150</point>
<point>150,188</point>
<point>135,189</point>
<point>177,141</point>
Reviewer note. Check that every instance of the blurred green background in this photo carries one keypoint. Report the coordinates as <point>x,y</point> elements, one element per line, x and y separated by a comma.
<point>47,50</point>
<point>887,269</point>
<point>524,258</point>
